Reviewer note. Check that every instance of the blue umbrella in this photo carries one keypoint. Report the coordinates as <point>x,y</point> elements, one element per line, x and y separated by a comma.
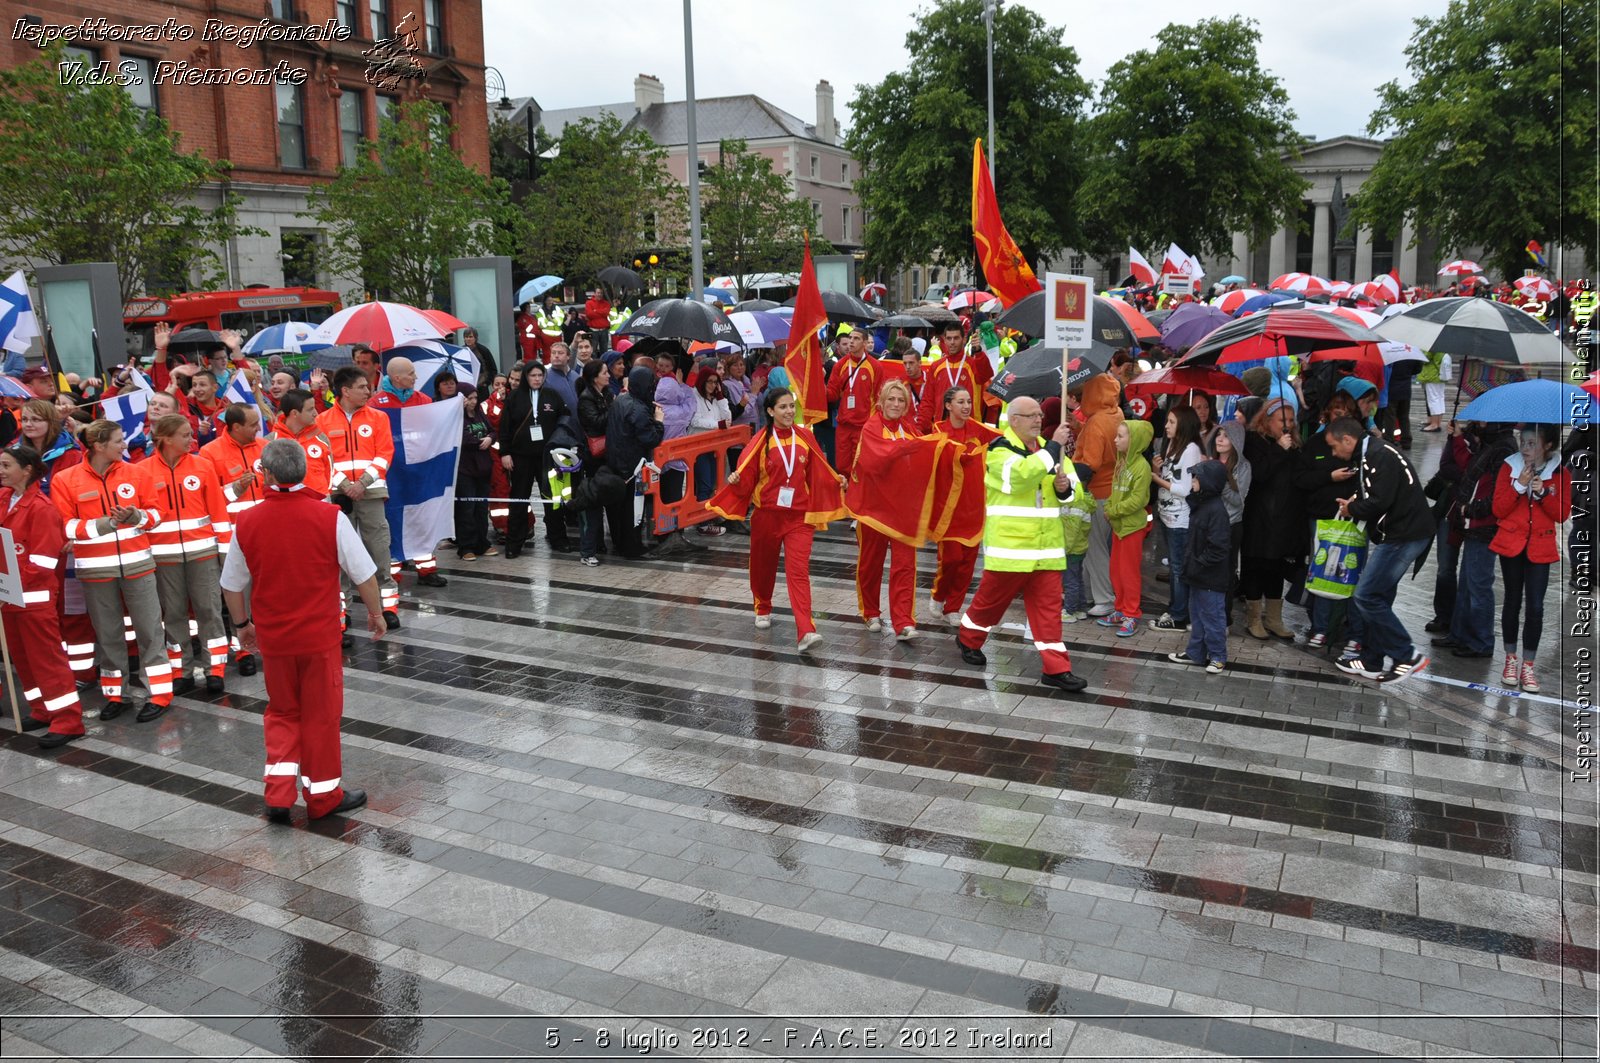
<point>431,357</point>
<point>536,288</point>
<point>289,337</point>
<point>1531,402</point>
<point>1261,302</point>
<point>717,295</point>
<point>1232,278</point>
<point>12,388</point>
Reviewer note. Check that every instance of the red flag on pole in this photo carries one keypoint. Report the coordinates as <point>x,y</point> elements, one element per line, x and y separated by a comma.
<point>1004,266</point>
<point>803,359</point>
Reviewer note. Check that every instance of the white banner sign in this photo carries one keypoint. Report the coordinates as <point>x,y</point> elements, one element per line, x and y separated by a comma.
<point>1069,311</point>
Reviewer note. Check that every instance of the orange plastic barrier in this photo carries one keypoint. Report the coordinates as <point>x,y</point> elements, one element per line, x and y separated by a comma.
<point>689,510</point>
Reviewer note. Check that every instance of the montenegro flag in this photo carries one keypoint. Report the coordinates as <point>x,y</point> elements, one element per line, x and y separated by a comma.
<point>803,358</point>
<point>1004,268</point>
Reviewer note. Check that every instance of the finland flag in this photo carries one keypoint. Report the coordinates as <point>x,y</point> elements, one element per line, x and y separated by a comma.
<point>18,325</point>
<point>128,410</point>
<point>422,477</point>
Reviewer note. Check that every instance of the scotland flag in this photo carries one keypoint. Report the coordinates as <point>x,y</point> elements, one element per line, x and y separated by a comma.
<point>422,477</point>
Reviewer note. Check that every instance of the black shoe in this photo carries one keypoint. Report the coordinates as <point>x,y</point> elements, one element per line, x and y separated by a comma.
<point>353,799</point>
<point>1446,640</point>
<point>1435,626</point>
<point>214,684</point>
<point>513,552</point>
<point>346,641</point>
<point>432,579</point>
<point>564,548</point>
<point>182,686</point>
<point>1064,681</point>
<point>112,710</point>
<point>247,664</point>
<point>277,814</point>
<point>151,711</point>
<point>30,724</point>
<point>391,619</point>
<point>971,656</point>
<point>1463,651</point>
<point>55,740</point>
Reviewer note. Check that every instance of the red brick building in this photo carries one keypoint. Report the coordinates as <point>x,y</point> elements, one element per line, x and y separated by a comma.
<point>282,89</point>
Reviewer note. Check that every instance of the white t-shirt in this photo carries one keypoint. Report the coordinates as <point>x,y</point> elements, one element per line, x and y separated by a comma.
<point>1172,503</point>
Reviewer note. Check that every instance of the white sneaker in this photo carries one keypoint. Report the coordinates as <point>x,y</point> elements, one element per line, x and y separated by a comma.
<point>906,634</point>
<point>809,640</point>
<point>763,621</point>
<point>1102,610</point>
<point>1215,668</point>
<point>952,619</point>
<point>1075,616</point>
<point>874,624</point>
<point>935,606</point>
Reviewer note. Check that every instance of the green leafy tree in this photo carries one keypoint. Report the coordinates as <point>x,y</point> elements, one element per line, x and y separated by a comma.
<point>913,134</point>
<point>1190,143</point>
<point>604,198</point>
<point>751,221</point>
<point>1494,141</point>
<point>408,206</point>
<point>508,152</point>
<point>86,176</point>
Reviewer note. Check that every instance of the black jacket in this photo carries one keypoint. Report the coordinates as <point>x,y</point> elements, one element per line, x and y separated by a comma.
<point>516,422</point>
<point>1474,513</point>
<point>1274,524</point>
<point>632,430</point>
<point>1389,496</point>
<point>594,410</point>
<point>1205,565</point>
<point>1314,477</point>
<point>475,461</point>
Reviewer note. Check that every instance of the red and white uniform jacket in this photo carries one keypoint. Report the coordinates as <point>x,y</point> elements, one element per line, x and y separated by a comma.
<point>83,496</point>
<point>194,512</point>
<point>363,446</point>
<point>319,455</point>
<point>35,528</point>
<point>231,462</point>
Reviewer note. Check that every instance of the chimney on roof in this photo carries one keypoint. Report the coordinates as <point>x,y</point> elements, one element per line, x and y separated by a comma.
<point>647,90</point>
<point>827,128</point>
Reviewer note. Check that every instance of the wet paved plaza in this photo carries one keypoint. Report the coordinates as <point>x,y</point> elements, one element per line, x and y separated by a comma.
<point>608,814</point>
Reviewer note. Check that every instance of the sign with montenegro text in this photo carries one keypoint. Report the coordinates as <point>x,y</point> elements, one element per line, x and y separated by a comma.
<point>1069,311</point>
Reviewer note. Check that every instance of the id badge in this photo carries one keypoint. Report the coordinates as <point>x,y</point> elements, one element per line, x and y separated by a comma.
<point>536,433</point>
<point>785,498</point>
<point>850,403</point>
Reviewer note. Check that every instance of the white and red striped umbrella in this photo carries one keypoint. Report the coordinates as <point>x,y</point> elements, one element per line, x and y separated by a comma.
<point>976,298</point>
<point>1461,267</point>
<point>1360,317</point>
<point>446,321</point>
<point>1339,289</point>
<point>379,325</point>
<point>1301,284</point>
<point>1231,301</point>
<point>875,290</point>
<point>1385,288</point>
<point>1534,287</point>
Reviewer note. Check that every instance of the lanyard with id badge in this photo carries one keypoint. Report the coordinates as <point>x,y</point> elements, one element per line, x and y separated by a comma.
<point>789,457</point>
<point>850,399</point>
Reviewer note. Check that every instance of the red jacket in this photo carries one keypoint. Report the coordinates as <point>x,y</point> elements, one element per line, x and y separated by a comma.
<point>40,542</point>
<point>1527,525</point>
<point>363,446</point>
<point>82,496</point>
<point>230,461</point>
<point>291,548</point>
<point>319,455</point>
<point>855,388</point>
<point>194,512</point>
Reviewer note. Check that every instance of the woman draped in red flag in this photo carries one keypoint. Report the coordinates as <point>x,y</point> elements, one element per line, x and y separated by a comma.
<point>785,476</point>
<point>963,504</point>
<point>892,490</point>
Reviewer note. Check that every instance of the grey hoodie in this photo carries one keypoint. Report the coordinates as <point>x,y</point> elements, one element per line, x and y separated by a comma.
<point>1231,498</point>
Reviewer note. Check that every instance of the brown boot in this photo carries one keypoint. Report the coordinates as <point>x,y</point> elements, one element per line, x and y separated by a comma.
<point>1273,620</point>
<point>1252,619</point>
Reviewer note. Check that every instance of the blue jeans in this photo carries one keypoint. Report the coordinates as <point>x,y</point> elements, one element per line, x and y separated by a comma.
<point>705,476</point>
<point>1208,639</point>
<point>1472,623</point>
<point>1072,585</point>
<point>1177,544</point>
<point>1383,634</point>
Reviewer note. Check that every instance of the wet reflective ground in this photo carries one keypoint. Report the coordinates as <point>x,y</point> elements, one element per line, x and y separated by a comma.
<point>601,795</point>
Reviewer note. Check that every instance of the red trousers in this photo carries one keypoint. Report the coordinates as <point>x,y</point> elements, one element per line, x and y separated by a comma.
<point>305,698</point>
<point>902,577</point>
<point>772,530</point>
<point>1041,597</point>
<point>846,438</point>
<point>1127,582</point>
<point>77,632</point>
<point>956,565</point>
<point>499,487</point>
<point>34,638</point>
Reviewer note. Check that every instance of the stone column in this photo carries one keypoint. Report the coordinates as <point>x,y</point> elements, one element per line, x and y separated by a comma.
<point>1408,254</point>
<point>1240,263</point>
<point>1363,255</point>
<point>1277,255</point>
<point>1321,240</point>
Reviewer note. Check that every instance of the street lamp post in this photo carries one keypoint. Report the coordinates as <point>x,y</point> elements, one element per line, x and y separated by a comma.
<point>988,25</point>
<point>692,162</point>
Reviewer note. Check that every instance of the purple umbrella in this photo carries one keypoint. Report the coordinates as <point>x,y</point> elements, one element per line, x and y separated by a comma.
<point>1191,323</point>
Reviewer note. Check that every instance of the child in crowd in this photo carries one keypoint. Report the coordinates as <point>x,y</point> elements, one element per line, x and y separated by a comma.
<point>1128,511</point>
<point>1076,513</point>
<point>1226,445</point>
<point>1179,455</point>
<point>1206,566</point>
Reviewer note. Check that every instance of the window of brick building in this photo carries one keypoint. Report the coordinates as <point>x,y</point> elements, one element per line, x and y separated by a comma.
<point>141,84</point>
<point>844,224</point>
<point>433,20</point>
<point>77,60</point>
<point>291,126</point>
<point>345,12</point>
<point>282,10</point>
<point>379,10</point>
<point>352,125</point>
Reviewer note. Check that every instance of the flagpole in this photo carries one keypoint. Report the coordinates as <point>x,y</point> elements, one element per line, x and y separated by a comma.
<point>692,161</point>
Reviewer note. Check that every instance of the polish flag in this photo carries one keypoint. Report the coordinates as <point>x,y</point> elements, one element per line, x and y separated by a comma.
<point>1141,270</point>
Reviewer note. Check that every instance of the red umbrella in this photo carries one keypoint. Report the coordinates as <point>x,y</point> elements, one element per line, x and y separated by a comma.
<point>381,325</point>
<point>1592,385</point>
<point>1182,379</point>
<point>446,322</point>
<point>1138,324</point>
<point>1268,335</point>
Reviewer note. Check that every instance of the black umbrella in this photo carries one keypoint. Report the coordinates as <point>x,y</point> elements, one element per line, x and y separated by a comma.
<point>328,359</point>
<point>681,319</point>
<point>750,305</point>
<point>194,340</point>
<point>937,313</point>
<point>1036,372</point>
<point>842,306</point>
<point>906,321</point>
<point>1109,328</point>
<point>621,278</point>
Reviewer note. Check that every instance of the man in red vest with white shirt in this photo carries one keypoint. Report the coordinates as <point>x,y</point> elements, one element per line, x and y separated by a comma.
<point>288,553</point>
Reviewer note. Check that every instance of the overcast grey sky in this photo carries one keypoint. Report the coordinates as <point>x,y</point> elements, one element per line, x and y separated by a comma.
<point>1330,59</point>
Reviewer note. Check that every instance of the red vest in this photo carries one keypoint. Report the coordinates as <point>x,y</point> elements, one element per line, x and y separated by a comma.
<point>291,546</point>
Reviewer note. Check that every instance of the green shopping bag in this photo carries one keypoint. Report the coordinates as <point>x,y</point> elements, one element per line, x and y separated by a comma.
<point>1336,558</point>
